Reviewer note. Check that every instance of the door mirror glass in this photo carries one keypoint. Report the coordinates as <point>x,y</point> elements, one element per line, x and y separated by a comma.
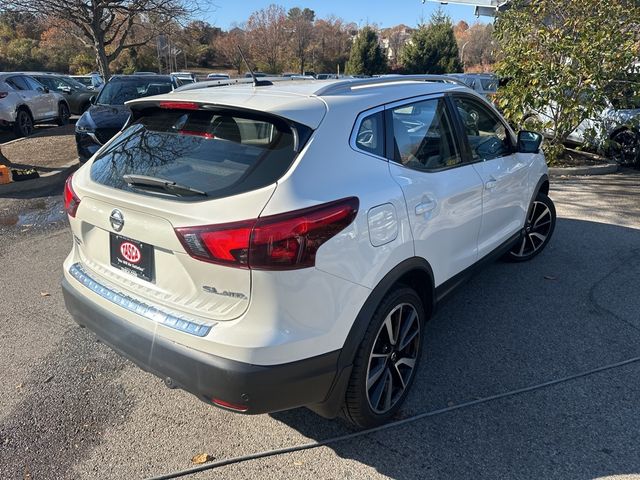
<point>529,142</point>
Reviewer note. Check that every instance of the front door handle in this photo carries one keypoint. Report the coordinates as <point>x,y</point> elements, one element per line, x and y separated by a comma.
<point>491,184</point>
<point>425,206</point>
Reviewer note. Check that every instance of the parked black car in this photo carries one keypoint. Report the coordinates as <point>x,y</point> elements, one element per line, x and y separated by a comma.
<point>76,94</point>
<point>108,113</point>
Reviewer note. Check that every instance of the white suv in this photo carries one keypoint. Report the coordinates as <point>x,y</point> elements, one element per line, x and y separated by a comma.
<point>24,102</point>
<point>277,246</point>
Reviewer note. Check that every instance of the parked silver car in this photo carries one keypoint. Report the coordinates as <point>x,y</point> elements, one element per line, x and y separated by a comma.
<point>24,102</point>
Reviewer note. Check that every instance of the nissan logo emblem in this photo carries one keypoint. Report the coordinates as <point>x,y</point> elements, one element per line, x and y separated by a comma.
<point>117,220</point>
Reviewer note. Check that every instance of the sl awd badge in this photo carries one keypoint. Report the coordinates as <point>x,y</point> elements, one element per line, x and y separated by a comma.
<point>117,220</point>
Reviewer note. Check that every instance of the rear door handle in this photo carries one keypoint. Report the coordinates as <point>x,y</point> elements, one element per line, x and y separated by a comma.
<point>491,184</point>
<point>425,207</point>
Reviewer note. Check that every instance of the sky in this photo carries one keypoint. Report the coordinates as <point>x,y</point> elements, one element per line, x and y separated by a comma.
<point>384,13</point>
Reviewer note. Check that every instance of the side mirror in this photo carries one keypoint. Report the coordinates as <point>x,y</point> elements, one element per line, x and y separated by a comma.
<point>529,142</point>
<point>43,89</point>
<point>92,99</point>
<point>65,89</point>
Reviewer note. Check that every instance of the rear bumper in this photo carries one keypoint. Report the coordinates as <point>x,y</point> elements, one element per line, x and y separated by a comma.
<point>257,388</point>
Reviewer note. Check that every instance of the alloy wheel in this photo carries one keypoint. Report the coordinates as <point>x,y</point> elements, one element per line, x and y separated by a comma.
<point>626,147</point>
<point>536,230</point>
<point>393,357</point>
<point>25,125</point>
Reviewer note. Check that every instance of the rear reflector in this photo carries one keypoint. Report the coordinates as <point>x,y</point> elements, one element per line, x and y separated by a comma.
<point>71,200</point>
<point>172,105</point>
<point>230,406</point>
<point>278,242</point>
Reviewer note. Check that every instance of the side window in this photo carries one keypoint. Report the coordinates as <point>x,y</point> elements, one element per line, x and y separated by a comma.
<point>423,136</point>
<point>18,83</point>
<point>370,135</point>
<point>487,135</point>
<point>33,84</point>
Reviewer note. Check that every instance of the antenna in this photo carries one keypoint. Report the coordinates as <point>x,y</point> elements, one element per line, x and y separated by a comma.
<point>256,82</point>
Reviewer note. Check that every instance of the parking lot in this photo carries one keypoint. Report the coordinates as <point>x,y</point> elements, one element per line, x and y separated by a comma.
<point>71,408</point>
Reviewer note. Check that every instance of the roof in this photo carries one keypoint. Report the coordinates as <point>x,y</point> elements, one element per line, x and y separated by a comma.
<point>307,101</point>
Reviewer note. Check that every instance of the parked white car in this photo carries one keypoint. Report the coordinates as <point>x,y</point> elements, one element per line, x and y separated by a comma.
<point>278,246</point>
<point>25,102</point>
<point>615,129</point>
<point>218,76</point>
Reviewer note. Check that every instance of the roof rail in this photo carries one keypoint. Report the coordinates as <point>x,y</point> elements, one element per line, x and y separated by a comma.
<point>343,86</point>
<point>231,81</point>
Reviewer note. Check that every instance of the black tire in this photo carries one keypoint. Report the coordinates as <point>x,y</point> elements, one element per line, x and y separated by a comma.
<point>537,231</point>
<point>390,374</point>
<point>23,126</point>
<point>63,114</point>
<point>625,147</point>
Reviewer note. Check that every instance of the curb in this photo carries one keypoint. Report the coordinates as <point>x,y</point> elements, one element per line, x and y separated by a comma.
<point>45,180</point>
<point>586,170</point>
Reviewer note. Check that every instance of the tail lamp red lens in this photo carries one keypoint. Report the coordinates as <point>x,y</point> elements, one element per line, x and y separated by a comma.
<point>278,242</point>
<point>71,200</point>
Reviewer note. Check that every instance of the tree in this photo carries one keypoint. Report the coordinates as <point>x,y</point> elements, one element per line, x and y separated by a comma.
<point>331,44</point>
<point>107,26</point>
<point>432,48</point>
<point>300,24</point>
<point>397,37</point>
<point>366,55</point>
<point>562,56</point>
<point>268,37</point>
<point>477,46</point>
<point>228,45</point>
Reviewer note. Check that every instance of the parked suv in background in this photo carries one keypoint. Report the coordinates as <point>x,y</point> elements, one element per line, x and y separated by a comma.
<point>75,93</point>
<point>277,246</point>
<point>24,102</point>
<point>109,113</point>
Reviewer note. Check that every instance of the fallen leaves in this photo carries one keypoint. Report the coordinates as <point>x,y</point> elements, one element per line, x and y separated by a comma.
<point>550,277</point>
<point>202,458</point>
<point>45,294</point>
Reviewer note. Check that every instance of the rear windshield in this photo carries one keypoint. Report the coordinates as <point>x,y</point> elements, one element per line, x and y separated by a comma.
<point>117,92</point>
<point>219,153</point>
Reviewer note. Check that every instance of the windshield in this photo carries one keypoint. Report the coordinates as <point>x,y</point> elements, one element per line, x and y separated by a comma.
<point>72,82</point>
<point>489,84</point>
<point>117,92</point>
<point>86,81</point>
<point>217,152</point>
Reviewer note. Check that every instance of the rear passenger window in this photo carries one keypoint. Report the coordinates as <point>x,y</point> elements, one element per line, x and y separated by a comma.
<point>370,134</point>
<point>18,83</point>
<point>423,136</point>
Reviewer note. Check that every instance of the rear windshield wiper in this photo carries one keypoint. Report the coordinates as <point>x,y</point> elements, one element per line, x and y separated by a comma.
<point>163,184</point>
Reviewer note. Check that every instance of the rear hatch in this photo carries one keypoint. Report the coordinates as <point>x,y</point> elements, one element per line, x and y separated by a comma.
<point>178,166</point>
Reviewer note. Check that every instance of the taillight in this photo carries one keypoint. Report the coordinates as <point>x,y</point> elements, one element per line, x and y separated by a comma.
<point>278,242</point>
<point>174,105</point>
<point>3,95</point>
<point>71,200</point>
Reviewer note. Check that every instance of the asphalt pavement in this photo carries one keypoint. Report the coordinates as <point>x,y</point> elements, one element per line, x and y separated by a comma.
<point>72,409</point>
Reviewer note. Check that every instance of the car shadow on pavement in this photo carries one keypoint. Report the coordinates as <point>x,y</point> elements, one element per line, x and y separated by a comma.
<point>572,309</point>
